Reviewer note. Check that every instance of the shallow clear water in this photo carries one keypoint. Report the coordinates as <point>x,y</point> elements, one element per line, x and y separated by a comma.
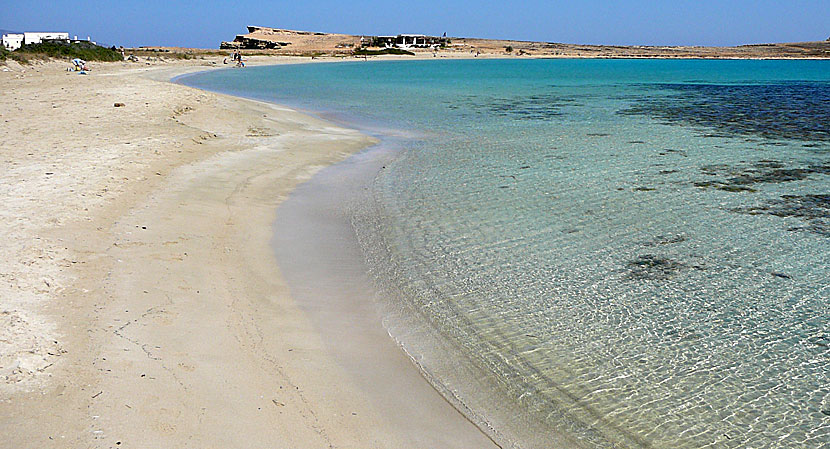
<point>636,253</point>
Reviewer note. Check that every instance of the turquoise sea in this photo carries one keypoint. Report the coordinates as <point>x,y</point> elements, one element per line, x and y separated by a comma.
<point>635,253</point>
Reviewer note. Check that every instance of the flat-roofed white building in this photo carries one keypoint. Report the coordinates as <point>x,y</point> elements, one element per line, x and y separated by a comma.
<point>407,41</point>
<point>36,38</point>
<point>12,41</point>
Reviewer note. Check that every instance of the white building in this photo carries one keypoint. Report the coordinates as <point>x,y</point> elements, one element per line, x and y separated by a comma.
<point>12,41</point>
<point>408,41</point>
<point>36,38</point>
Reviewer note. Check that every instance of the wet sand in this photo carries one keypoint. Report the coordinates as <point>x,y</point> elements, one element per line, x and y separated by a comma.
<point>322,262</point>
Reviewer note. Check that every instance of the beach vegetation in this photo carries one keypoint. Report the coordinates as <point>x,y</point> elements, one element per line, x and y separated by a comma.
<point>12,56</point>
<point>508,49</point>
<point>385,51</point>
<point>83,50</point>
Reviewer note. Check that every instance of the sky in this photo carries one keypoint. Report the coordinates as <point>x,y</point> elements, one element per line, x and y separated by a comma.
<point>626,22</point>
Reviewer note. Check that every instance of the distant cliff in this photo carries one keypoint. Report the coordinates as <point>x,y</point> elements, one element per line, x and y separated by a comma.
<point>293,42</point>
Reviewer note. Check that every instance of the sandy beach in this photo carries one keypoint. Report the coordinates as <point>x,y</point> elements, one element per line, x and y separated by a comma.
<point>142,305</point>
<point>610,230</point>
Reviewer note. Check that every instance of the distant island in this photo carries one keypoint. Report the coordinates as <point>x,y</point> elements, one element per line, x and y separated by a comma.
<point>289,42</point>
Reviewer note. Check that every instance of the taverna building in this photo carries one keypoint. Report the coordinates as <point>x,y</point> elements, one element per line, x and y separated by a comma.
<point>407,41</point>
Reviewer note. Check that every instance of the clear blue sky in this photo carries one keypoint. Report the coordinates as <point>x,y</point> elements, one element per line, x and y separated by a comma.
<point>206,23</point>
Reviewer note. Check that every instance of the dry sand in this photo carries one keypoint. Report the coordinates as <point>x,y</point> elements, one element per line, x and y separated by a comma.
<point>140,302</point>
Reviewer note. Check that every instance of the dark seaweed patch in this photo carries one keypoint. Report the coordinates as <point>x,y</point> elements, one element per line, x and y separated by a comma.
<point>722,186</point>
<point>650,266</point>
<point>742,178</point>
<point>532,107</point>
<point>824,342</point>
<point>666,151</point>
<point>773,111</point>
<point>666,240</point>
<point>714,169</point>
<point>813,209</point>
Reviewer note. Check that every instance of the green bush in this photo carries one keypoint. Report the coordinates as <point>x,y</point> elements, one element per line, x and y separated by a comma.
<point>83,50</point>
<point>508,49</point>
<point>385,51</point>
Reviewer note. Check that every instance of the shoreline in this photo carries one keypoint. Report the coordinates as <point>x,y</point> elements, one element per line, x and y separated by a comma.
<point>322,262</point>
<point>160,297</point>
<point>327,265</point>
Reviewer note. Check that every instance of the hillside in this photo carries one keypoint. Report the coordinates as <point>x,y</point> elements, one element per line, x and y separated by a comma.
<point>280,41</point>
